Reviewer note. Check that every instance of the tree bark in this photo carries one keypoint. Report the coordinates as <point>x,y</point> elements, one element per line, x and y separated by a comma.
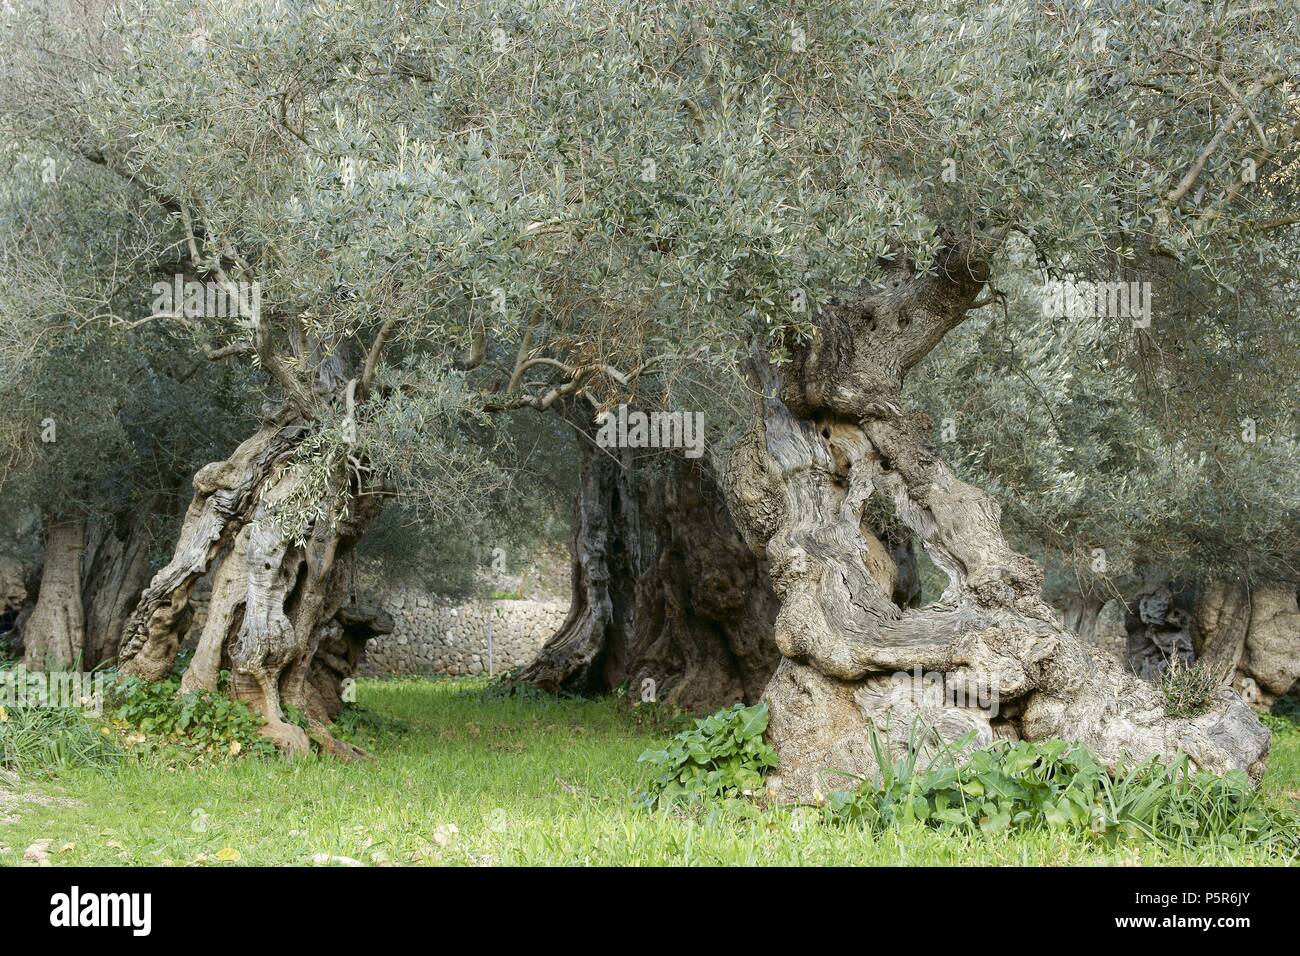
<point>54,636</point>
<point>990,655</point>
<point>225,496</point>
<point>1250,637</point>
<point>342,640</point>
<point>666,599</point>
<point>116,570</point>
<point>273,600</point>
<point>110,561</point>
<point>1159,632</point>
<point>609,549</point>
<point>702,624</point>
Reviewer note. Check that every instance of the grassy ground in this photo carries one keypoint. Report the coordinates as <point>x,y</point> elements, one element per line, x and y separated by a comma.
<point>480,780</point>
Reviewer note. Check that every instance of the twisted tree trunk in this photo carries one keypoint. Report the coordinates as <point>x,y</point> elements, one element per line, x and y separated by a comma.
<point>702,625</point>
<point>1250,637</point>
<point>93,574</point>
<point>610,548</point>
<point>990,655</point>
<point>115,571</point>
<point>1247,637</point>
<point>342,640</point>
<point>274,601</point>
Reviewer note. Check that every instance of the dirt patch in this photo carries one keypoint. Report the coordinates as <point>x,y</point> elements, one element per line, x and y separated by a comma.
<point>14,796</point>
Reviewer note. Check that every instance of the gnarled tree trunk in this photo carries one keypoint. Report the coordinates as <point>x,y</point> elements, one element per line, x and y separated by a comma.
<point>115,571</point>
<point>990,655</point>
<point>1247,637</point>
<point>93,575</point>
<point>666,597</point>
<point>274,601</point>
<point>702,624</point>
<point>1250,637</point>
<point>610,548</point>
<point>342,640</point>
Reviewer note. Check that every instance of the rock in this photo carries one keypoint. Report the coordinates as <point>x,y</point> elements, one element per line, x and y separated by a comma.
<point>38,854</point>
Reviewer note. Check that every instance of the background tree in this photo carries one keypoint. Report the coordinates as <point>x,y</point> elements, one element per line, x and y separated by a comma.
<point>104,419</point>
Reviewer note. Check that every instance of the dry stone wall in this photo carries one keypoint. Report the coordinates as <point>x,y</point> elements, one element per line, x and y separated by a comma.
<point>430,637</point>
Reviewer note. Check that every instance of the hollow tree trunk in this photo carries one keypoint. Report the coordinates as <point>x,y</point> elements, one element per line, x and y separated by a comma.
<point>990,655</point>
<point>342,640</point>
<point>702,624</point>
<point>273,600</point>
<point>666,599</point>
<point>54,636</point>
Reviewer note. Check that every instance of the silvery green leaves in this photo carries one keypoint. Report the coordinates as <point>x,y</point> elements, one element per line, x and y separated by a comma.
<point>723,756</point>
<point>1114,449</point>
<point>615,174</point>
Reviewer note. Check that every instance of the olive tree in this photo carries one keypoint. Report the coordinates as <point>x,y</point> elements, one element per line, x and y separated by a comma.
<point>475,207</point>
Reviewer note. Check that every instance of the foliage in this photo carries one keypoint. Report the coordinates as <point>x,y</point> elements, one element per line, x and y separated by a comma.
<point>569,190</point>
<point>100,414</point>
<point>1059,786</point>
<point>9,653</point>
<point>724,755</point>
<point>1092,437</point>
<point>198,721</point>
<point>657,717</point>
<point>43,741</point>
<point>1188,690</point>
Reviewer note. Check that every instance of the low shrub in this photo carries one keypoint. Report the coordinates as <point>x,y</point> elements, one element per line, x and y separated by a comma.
<point>198,721</point>
<point>1188,690</point>
<point>724,755</point>
<point>1055,784</point>
<point>355,721</point>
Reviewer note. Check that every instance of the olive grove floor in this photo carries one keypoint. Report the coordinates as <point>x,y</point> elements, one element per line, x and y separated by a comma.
<point>479,780</point>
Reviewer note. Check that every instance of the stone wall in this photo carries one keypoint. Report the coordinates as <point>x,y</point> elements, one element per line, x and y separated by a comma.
<point>432,638</point>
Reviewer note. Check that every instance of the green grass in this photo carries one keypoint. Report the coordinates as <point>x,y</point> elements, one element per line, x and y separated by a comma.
<point>523,781</point>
